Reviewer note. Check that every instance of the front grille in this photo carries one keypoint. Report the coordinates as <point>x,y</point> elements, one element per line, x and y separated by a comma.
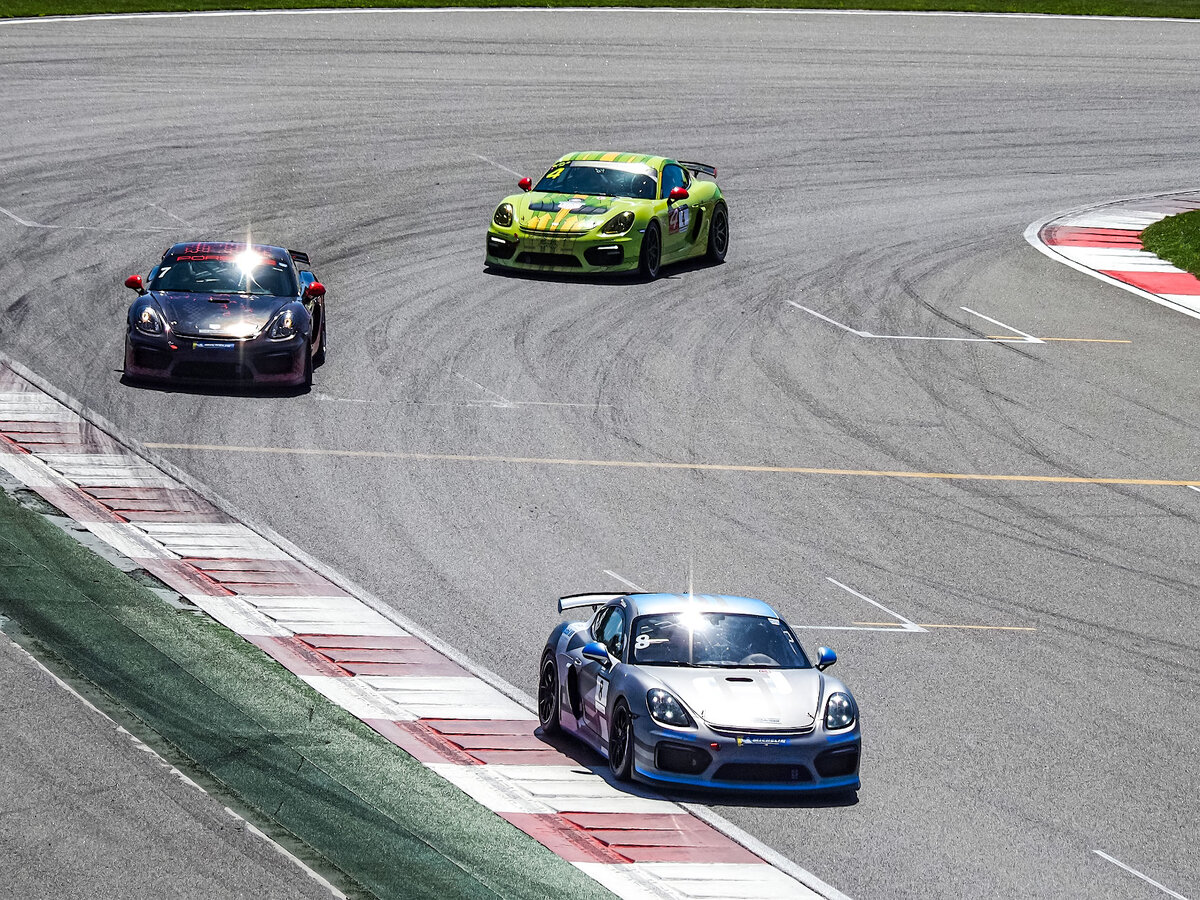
<point>680,758</point>
<point>212,371</point>
<point>765,732</point>
<point>835,763</point>
<point>763,772</point>
<point>558,260</point>
<point>151,358</point>
<point>210,338</point>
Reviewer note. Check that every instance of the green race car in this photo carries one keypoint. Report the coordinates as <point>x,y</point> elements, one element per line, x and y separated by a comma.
<point>611,212</point>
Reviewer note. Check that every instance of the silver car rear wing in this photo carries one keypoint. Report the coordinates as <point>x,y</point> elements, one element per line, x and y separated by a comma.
<point>579,601</point>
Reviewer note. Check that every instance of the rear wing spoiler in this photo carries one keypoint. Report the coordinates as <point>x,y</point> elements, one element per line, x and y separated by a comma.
<point>300,257</point>
<point>699,168</point>
<point>581,601</point>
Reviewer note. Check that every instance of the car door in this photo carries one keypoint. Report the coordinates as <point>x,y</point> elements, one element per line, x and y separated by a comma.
<point>609,629</point>
<point>677,238</point>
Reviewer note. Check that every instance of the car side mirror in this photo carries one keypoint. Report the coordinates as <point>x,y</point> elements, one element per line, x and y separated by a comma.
<point>825,658</point>
<point>677,194</point>
<point>134,283</point>
<point>314,290</point>
<point>525,184</point>
<point>596,652</point>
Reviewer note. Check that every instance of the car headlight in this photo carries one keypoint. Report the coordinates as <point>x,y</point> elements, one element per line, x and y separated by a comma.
<point>284,326</point>
<point>504,215</point>
<point>147,321</point>
<point>839,711</point>
<point>666,710</point>
<point>618,224</point>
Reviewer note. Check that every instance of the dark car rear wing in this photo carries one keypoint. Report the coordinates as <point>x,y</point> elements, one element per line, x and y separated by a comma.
<point>300,257</point>
<point>699,168</point>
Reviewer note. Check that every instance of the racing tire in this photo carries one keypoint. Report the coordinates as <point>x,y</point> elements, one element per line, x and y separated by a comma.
<point>718,234</point>
<point>319,359</point>
<point>548,696</point>
<point>620,743</point>
<point>306,381</point>
<point>650,255</point>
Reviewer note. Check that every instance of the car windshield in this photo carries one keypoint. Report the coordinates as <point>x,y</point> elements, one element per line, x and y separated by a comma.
<point>604,179</point>
<point>720,640</point>
<point>246,273</point>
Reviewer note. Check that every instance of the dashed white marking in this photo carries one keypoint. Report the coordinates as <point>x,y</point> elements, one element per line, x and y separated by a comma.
<point>1147,879</point>
<point>492,162</point>
<point>625,581</point>
<point>1028,337</point>
<point>500,401</point>
<point>1025,339</point>
<point>908,625</point>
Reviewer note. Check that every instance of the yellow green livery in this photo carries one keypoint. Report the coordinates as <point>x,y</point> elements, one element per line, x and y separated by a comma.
<point>596,212</point>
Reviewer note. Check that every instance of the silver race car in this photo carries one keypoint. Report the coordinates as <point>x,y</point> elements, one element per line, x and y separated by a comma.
<point>699,691</point>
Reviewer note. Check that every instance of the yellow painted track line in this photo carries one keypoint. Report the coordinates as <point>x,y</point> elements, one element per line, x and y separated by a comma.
<point>900,627</point>
<point>693,467</point>
<point>1009,337</point>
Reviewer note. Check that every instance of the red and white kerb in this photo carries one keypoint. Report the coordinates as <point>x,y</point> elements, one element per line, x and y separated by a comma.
<point>460,726</point>
<point>1105,241</point>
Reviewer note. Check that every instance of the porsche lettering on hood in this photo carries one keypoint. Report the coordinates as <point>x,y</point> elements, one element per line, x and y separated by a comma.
<point>218,315</point>
<point>748,699</point>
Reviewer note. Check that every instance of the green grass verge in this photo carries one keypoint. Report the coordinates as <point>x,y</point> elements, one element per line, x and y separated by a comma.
<point>299,766</point>
<point>1177,240</point>
<point>1169,8</point>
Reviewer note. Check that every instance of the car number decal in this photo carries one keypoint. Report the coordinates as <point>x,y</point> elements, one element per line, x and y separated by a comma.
<point>678,219</point>
<point>601,692</point>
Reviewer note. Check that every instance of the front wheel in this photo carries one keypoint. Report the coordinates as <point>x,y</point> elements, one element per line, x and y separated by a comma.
<point>319,359</point>
<point>620,743</point>
<point>306,381</point>
<point>718,234</point>
<point>650,258</point>
<point>548,696</point>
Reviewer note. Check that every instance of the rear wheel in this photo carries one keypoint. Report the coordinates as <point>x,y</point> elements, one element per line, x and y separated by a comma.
<point>548,695</point>
<point>650,258</point>
<point>718,234</point>
<point>620,743</point>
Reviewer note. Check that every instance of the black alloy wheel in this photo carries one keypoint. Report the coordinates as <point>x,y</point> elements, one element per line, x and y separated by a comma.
<point>718,234</point>
<point>650,258</point>
<point>548,696</point>
<point>620,743</point>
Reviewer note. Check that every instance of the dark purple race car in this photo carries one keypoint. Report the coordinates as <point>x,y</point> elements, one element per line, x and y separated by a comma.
<point>227,312</point>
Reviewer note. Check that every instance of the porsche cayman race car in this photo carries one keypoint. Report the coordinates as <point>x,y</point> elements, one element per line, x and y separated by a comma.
<point>229,312</point>
<point>707,692</point>
<point>611,212</point>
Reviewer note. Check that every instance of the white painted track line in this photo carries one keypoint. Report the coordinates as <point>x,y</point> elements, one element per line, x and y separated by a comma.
<point>1145,878</point>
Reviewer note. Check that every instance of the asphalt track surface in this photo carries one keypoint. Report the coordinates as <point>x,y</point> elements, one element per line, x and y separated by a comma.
<point>880,171</point>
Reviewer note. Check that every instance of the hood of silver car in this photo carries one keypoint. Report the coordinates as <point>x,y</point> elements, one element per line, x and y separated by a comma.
<point>747,699</point>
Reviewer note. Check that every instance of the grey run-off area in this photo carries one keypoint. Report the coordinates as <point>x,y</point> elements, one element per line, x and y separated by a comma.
<point>880,169</point>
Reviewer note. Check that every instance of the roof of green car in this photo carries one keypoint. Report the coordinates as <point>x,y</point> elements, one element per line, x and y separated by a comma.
<point>614,156</point>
